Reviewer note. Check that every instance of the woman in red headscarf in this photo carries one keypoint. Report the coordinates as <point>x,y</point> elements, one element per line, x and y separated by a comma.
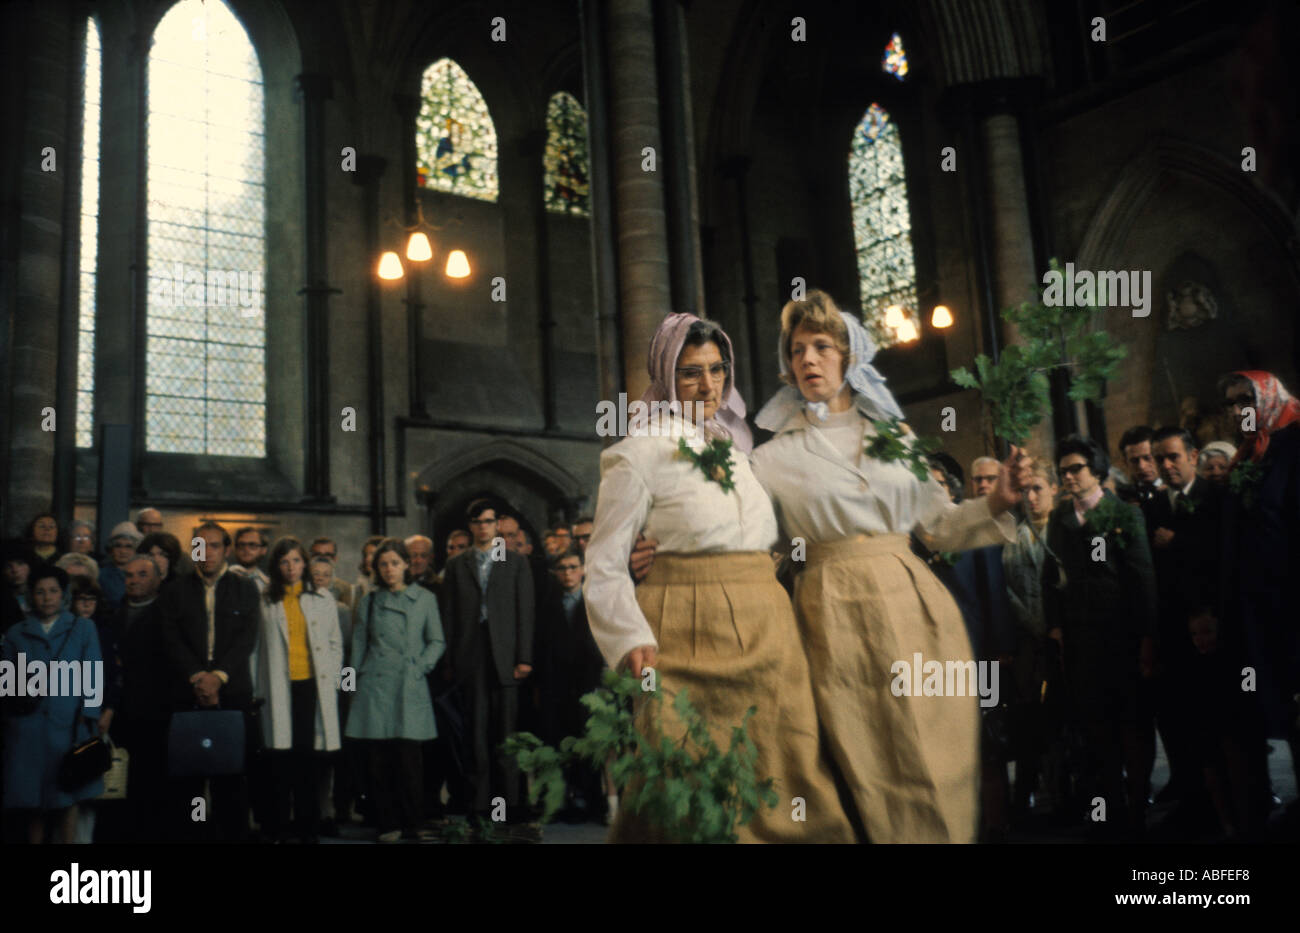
<point>1261,556</point>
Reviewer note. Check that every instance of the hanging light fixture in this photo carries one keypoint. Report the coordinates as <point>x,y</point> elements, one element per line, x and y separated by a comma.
<point>894,316</point>
<point>418,248</point>
<point>390,267</point>
<point>941,317</point>
<point>457,264</point>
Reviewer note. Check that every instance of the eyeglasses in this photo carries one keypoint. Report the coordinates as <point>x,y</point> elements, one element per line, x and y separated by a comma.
<point>1074,469</point>
<point>693,374</point>
<point>1245,400</point>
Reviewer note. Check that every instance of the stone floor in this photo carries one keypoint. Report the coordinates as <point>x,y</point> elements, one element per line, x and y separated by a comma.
<point>1283,776</point>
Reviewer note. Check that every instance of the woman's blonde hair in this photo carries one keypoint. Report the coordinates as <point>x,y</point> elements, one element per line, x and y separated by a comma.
<point>818,313</point>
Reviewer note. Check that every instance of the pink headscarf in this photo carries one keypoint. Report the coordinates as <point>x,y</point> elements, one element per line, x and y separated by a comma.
<point>661,364</point>
<point>1275,408</point>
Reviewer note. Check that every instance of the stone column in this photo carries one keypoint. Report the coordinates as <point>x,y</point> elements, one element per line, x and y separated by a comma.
<point>641,226</point>
<point>34,340</point>
<point>370,168</point>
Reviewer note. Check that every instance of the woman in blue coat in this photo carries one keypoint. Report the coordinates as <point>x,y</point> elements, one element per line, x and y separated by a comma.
<point>38,735</point>
<point>396,640</point>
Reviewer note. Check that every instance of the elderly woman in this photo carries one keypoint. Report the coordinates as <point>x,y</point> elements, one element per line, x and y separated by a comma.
<point>396,641</point>
<point>300,656</point>
<point>39,732</point>
<point>711,615</point>
<point>42,536</point>
<point>1215,462</point>
<point>81,539</point>
<point>864,601</point>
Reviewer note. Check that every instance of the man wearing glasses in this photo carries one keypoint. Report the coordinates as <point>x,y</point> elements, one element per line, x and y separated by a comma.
<point>327,547</point>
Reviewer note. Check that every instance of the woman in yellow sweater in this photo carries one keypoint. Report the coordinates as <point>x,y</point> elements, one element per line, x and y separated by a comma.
<point>300,655</point>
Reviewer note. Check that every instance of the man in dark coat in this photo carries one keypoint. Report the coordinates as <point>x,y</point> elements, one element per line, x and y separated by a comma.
<point>1104,617</point>
<point>569,665</point>
<point>210,626</point>
<point>140,725</point>
<point>489,596</point>
<point>1185,555</point>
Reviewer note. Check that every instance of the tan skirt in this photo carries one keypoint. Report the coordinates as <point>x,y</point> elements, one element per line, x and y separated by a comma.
<point>727,635</point>
<point>911,762</point>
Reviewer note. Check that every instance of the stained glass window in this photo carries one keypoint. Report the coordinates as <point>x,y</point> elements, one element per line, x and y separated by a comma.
<point>894,61</point>
<point>455,139</point>
<point>89,240</point>
<point>566,162</point>
<point>206,351</point>
<point>882,230</point>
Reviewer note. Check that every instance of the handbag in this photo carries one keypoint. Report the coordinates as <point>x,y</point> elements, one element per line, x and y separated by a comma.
<point>83,763</point>
<point>206,743</point>
<point>115,777</point>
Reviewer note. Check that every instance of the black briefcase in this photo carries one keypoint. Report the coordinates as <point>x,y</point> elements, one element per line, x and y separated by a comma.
<point>206,743</point>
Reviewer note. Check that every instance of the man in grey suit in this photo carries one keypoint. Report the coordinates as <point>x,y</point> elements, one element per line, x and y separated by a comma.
<point>489,594</point>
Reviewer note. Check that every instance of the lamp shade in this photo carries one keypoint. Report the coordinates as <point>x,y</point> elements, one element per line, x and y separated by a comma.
<point>418,248</point>
<point>941,317</point>
<point>457,264</point>
<point>894,316</point>
<point>907,331</point>
<point>390,267</point>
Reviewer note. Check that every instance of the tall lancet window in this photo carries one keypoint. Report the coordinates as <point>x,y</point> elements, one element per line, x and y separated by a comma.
<point>455,139</point>
<point>882,230</point>
<point>89,239</point>
<point>894,61</point>
<point>206,354</point>
<point>567,169</point>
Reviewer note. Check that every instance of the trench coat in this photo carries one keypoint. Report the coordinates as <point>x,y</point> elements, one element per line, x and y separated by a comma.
<point>325,643</point>
<point>396,640</point>
<point>35,744</point>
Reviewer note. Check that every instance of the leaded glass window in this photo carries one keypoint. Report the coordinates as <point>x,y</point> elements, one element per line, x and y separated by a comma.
<point>89,239</point>
<point>882,230</point>
<point>206,351</point>
<point>455,139</point>
<point>894,61</point>
<point>567,168</point>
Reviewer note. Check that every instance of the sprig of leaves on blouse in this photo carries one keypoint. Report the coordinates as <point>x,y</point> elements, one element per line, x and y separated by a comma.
<point>1111,519</point>
<point>1244,482</point>
<point>888,445</point>
<point>714,461</point>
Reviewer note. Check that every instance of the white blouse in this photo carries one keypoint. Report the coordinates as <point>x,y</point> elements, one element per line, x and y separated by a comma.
<point>820,494</point>
<point>645,486</point>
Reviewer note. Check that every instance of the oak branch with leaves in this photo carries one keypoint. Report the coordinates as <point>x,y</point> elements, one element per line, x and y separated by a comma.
<point>1017,387</point>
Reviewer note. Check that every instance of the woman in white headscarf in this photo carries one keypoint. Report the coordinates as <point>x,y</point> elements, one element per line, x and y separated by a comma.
<point>864,601</point>
<point>711,617</point>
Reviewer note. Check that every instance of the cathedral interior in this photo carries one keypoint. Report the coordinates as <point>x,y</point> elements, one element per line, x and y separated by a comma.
<point>577,170</point>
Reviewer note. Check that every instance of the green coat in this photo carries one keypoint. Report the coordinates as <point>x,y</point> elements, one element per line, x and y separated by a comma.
<point>396,640</point>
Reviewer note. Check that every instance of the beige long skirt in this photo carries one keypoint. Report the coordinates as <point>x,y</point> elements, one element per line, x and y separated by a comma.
<point>727,634</point>
<point>911,762</point>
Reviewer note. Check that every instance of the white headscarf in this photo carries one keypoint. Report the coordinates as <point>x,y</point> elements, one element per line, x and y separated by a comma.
<point>870,395</point>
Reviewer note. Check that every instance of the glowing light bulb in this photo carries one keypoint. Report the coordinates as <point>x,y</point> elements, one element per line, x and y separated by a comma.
<point>390,267</point>
<point>418,248</point>
<point>941,317</point>
<point>907,332</point>
<point>894,316</point>
<point>457,264</point>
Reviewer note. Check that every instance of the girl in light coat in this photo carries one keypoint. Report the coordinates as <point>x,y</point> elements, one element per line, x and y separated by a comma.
<point>300,657</point>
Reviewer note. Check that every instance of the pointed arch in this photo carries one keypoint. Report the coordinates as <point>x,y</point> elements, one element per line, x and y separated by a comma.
<point>206,346</point>
<point>882,230</point>
<point>567,168</point>
<point>455,137</point>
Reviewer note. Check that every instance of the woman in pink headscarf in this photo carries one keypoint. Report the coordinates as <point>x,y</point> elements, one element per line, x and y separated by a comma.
<point>711,615</point>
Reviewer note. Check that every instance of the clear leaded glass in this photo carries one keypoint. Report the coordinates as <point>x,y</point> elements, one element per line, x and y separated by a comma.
<point>455,140</point>
<point>894,61</point>
<point>882,228</point>
<point>89,240</point>
<point>567,178</point>
<point>206,348</point>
